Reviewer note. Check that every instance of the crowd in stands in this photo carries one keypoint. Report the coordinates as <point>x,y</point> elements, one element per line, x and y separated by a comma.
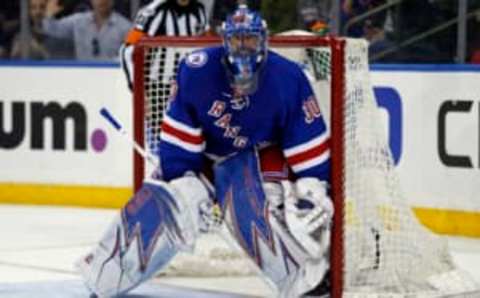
<point>408,31</point>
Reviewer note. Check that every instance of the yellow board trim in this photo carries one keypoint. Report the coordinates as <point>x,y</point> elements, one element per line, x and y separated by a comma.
<point>64,195</point>
<point>450,222</point>
<point>442,221</point>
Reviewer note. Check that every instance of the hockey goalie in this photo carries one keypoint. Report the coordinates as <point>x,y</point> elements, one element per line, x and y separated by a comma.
<point>252,114</point>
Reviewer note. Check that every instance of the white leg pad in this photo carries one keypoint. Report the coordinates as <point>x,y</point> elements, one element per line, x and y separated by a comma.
<point>161,219</point>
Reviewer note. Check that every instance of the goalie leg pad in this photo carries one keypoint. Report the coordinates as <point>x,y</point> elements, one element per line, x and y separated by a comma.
<point>252,214</point>
<point>153,226</point>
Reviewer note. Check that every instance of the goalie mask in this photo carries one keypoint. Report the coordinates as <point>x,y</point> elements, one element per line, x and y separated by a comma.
<point>245,43</point>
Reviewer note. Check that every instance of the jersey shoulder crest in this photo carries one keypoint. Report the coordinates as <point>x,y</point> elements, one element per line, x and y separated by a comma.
<point>197,59</point>
<point>205,58</point>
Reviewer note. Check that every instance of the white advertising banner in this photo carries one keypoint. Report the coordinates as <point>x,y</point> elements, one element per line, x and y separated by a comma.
<point>439,162</point>
<point>51,130</point>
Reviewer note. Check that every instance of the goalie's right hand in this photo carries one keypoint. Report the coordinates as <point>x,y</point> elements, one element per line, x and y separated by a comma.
<point>308,214</point>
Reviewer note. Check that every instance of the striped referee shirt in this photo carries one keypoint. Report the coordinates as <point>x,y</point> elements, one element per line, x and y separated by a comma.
<point>168,18</point>
<point>159,18</point>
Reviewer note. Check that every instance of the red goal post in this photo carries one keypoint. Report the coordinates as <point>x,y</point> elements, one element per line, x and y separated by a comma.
<point>375,233</point>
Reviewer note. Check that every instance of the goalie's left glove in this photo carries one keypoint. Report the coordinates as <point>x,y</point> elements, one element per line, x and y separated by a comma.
<point>308,214</point>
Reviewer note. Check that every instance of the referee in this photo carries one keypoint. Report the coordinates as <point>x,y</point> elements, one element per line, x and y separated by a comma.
<point>160,18</point>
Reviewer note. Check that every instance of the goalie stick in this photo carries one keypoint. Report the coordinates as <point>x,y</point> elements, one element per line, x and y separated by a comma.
<point>217,217</point>
<point>107,115</point>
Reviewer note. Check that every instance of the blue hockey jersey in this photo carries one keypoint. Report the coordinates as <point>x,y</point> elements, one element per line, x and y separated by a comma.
<point>206,118</point>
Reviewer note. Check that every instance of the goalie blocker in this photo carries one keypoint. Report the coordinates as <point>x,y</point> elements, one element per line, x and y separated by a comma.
<point>284,228</point>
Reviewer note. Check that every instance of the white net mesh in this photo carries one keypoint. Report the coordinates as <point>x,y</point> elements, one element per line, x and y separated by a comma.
<point>387,252</point>
<point>386,249</point>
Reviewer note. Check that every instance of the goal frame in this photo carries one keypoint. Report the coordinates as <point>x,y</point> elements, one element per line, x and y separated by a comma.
<point>337,46</point>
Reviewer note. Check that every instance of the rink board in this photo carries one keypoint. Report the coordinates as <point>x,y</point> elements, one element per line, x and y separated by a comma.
<point>99,173</point>
<point>75,289</point>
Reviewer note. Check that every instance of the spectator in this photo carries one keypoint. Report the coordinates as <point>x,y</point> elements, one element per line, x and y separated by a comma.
<point>40,46</point>
<point>355,8</point>
<point>315,15</point>
<point>379,42</point>
<point>312,14</point>
<point>3,39</point>
<point>160,17</point>
<point>97,34</point>
<point>9,24</point>
<point>36,47</point>
<point>3,50</point>
<point>69,7</point>
<point>474,41</point>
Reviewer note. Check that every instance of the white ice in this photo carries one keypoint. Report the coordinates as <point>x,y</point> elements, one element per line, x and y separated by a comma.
<point>39,245</point>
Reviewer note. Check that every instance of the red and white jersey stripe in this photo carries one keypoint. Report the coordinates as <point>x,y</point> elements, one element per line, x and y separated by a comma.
<point>309,154</point>
<point>182,135</point>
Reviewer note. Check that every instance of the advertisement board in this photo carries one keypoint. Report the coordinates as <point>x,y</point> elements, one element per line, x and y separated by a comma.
<point>52,139</point>
<point>55,148</point>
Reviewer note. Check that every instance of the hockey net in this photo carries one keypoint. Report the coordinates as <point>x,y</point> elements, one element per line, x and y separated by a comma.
<point>379,248</point>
